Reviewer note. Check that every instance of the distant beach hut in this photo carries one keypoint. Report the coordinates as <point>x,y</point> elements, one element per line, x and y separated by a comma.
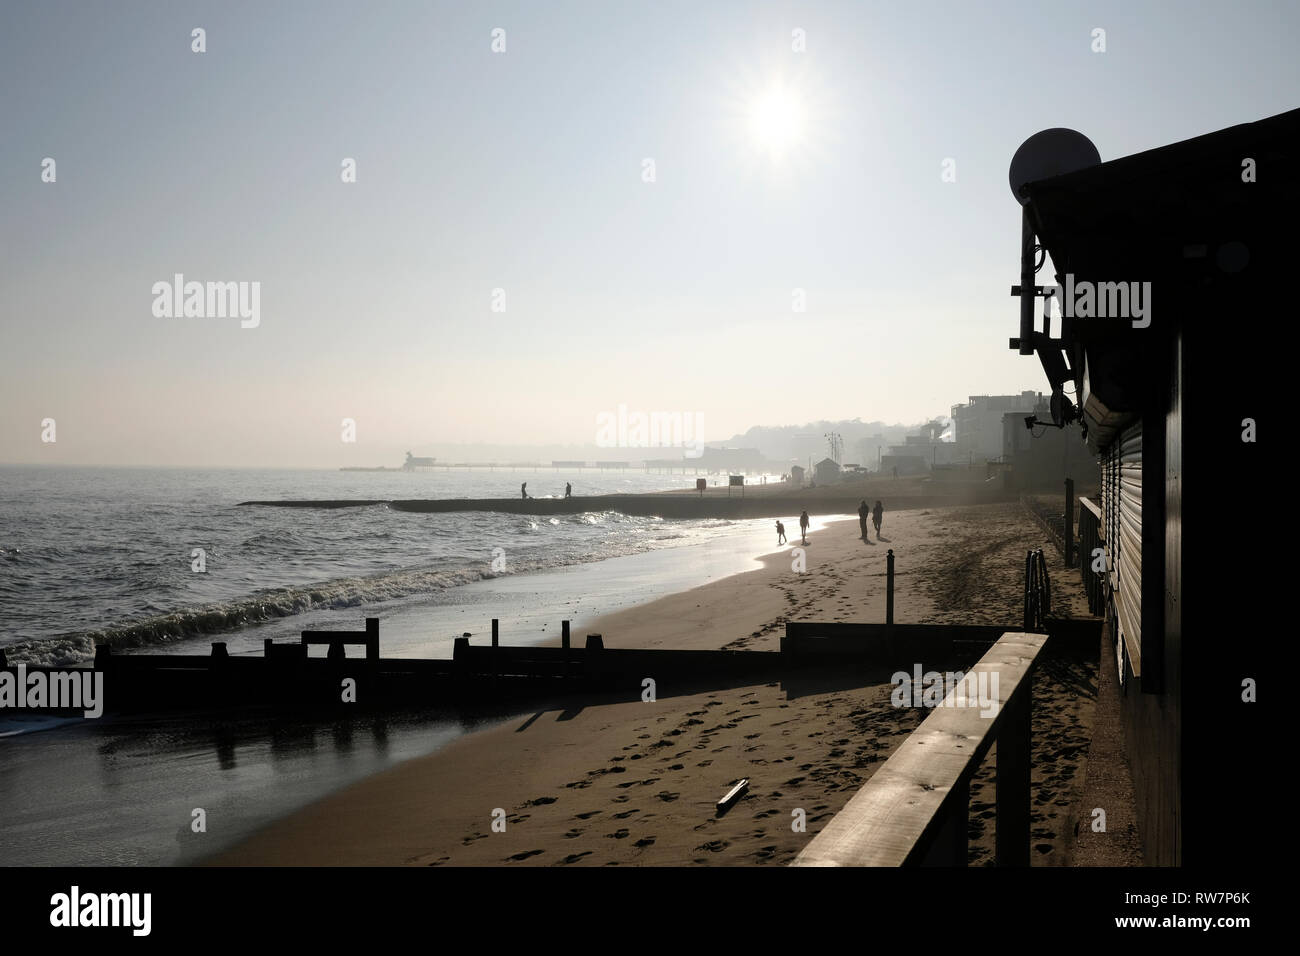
<point>827,471</point>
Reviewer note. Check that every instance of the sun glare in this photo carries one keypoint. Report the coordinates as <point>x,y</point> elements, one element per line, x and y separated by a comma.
<point>776,120</point>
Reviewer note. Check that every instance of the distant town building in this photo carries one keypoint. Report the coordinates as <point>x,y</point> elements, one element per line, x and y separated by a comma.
<point>977,425</point>
<point>921,452</point>
<point>796,476</point>
<point>1043,457</point>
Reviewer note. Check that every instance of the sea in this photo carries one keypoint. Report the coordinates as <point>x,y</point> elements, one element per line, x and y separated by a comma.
<point>168,560</point>
<point>111,556</point>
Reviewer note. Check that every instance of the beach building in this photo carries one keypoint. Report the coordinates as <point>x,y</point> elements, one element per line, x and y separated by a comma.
<point>826,471</point>
<point>796,476</point>
<point>977,425</point>
<point>1043,456</point>
<point>1162,259</point>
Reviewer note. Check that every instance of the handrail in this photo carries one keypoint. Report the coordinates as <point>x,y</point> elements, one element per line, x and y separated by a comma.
<point>914,809</point>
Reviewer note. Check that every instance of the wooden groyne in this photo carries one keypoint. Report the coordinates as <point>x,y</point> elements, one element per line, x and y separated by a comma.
<point>674,505</point>
<point>287,678</point>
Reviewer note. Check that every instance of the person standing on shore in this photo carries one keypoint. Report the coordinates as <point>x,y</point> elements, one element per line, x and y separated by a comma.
<point>863,511</point>
<point>523,489</point>
<point>568,489</point>
<point>780,533</point>
<point>877,513</point>
<point>803,527</point>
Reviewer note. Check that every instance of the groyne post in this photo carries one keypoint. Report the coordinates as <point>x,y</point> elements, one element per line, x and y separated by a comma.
<point>564,634</point>
<point>889,587</point>
<point>496,633</point>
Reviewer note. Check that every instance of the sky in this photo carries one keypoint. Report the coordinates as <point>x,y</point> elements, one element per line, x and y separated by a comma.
<point>505,269</point>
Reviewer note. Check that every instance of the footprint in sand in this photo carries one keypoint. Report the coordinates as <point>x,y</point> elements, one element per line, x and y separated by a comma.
<point>644,842</point>
<point>713,846</point>
<point>626,813</point>
<point>619,834</point>
<point>575,857</point>
<point>571,834</point>
<point>667,796</point>
<point>525,855</point>
<point>540,801</point>
<point>588,815</point>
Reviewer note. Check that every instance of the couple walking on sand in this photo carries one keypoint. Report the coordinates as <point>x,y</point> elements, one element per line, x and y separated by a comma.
<point>804,522</point>
<point>876,514</point>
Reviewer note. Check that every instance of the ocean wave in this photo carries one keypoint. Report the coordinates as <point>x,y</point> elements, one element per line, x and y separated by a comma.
<point>232,615</point>
<point>157,623</point>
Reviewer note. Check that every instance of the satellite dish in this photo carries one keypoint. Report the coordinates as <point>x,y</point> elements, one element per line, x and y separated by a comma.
<point>1051,152</point>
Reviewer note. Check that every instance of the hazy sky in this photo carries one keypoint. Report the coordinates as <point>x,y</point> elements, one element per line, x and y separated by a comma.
<point>523,170</point>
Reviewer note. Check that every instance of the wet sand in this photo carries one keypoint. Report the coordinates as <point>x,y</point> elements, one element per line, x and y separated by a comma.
<point>618,782</point>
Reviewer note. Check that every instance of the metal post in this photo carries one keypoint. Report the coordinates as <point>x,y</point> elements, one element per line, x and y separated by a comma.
<point>889,587</point>
<point>564,634</point>
<point>495,633</point>
<point>1026,284</point>
<point>1029,583</point>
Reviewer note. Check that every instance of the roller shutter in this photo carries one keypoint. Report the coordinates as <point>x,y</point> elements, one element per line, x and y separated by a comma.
<point>1128,534</point>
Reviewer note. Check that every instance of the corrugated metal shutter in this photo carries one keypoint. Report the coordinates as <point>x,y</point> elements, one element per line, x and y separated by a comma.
<point>1128,534</point>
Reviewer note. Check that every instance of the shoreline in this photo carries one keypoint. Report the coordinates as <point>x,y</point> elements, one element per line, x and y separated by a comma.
<point>588,783</point>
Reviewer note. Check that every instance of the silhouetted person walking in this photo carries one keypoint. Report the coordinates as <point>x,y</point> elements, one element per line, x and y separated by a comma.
<point>568,490</point>
<point>803,527</point>
<point>523,489</point>
<point>877,513</point>
<point>780,533</point>
<point>863,511</point>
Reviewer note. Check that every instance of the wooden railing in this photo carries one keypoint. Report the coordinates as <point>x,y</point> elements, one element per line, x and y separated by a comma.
<point>913,810</point>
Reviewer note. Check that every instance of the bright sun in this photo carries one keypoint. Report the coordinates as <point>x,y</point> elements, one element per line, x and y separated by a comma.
<point>776,120</point>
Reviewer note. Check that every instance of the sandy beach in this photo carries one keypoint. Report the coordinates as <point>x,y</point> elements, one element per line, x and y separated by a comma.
<point>633,782</point>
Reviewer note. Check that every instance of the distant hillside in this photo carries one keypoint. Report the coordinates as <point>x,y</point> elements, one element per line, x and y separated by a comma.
<point>798,442</point>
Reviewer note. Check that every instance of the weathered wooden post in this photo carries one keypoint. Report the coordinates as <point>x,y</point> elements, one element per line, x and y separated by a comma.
<point>496,634</point>
<point>951,845</point>
<point>1069,522</point>
<point>889,587</point>
<point>564,634</point>
<point>1012,829</point>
